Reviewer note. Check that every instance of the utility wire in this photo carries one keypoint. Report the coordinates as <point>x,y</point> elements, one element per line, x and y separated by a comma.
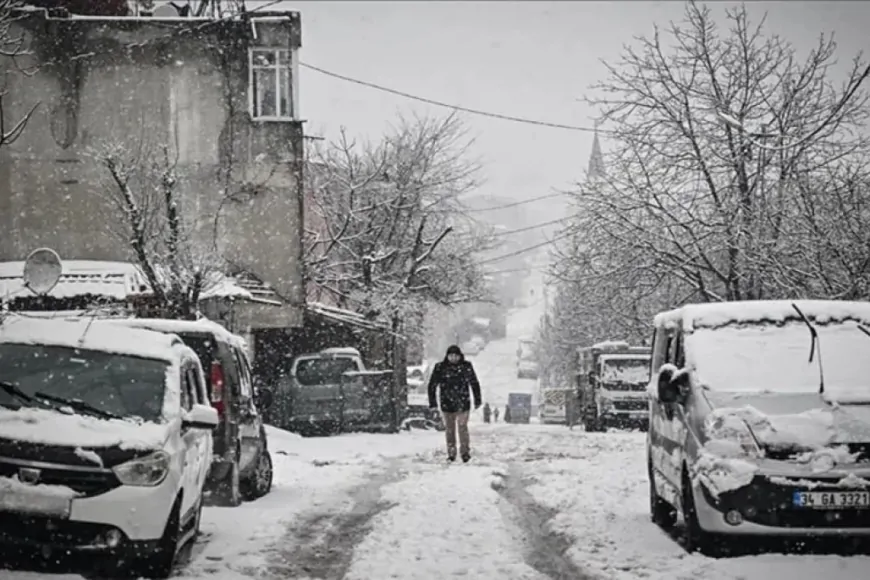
<point>526,249</point>
<point>518,203</point>
<point>436,103</point>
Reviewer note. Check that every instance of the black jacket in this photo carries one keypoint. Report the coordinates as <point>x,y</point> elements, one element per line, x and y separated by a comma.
<point>455,380</point>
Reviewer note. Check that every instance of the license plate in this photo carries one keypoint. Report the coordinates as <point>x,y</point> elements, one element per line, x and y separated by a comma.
<point>35,504</point>
<point>831,500</point>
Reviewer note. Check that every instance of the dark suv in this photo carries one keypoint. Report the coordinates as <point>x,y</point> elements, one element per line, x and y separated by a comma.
<point>242,467</point>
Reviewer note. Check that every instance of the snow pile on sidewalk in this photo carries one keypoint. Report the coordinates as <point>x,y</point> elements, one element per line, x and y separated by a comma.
<point>598,484</point>
<point>444,522</point>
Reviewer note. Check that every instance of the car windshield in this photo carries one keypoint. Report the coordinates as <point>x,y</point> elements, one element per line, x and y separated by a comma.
<point>321,371</point>
<point>625,370</point>
<point>775,358</point>
<point>115,384</point>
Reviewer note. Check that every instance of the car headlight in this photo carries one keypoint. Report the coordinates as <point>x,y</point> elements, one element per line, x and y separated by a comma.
<point>147,471</point>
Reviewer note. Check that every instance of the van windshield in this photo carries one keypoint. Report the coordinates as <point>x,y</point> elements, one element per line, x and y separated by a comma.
<point>775,358</point>
<point>122,385</point>
<point>321,371</point>
<point>624,370</point>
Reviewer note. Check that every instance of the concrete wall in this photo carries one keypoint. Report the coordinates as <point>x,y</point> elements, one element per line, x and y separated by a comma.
<point>140,86</point>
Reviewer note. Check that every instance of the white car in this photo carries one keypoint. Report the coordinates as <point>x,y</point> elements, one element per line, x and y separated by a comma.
<point>105,442</point>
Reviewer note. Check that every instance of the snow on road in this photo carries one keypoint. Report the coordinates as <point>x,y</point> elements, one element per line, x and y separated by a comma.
<point>536,502</point>
<point>445,522</point>
<point>596,484</point>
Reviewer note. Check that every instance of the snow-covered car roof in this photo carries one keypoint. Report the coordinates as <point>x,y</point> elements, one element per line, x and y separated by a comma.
<point>166,325</point>
<point>99,335</point>
<point>341,350</point>
<point>626,356</point>
<point>714,315</point>
<point>611,345</point>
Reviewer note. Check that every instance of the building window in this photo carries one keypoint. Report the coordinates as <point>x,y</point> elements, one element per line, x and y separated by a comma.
<point>272,83</point>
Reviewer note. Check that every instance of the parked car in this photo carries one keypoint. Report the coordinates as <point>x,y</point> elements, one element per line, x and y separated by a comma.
<point>332,391</point>
<point>105,443</point>
<point>474,345</point>
<point>242,468</point>
<point>416,378</point>
<point>749,435</point>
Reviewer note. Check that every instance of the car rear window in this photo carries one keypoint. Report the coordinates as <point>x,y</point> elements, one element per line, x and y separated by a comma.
<point>204,347</point>
<point>319,371</point>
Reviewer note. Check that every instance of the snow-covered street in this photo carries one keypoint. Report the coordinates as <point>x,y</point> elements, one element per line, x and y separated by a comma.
<point>536,502</point>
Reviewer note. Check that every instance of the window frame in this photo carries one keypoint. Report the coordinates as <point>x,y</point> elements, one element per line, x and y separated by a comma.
<point>246,382</point>
<point>292,68</point>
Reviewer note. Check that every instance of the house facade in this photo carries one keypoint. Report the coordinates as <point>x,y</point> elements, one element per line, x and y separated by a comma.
<point>214,99</point>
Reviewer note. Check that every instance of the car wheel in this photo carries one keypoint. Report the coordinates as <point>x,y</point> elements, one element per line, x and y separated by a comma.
<point>159,563</point>
<point>696,538</point>
<point>260,482</point>
<point>661,512</point>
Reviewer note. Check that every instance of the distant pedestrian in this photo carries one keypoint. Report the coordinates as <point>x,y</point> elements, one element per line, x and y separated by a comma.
<point>457,381</point>
<point>487,412</point>
<point>495,414</point>
<point>507,414</point>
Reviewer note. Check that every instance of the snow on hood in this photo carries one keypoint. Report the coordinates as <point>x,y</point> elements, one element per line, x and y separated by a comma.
<point>812,431</point>
<point>794,421</point>
<point>54,428</point>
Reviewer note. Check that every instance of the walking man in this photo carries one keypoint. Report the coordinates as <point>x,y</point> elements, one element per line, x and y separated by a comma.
<point>455,376</point>
<point>486,413</point>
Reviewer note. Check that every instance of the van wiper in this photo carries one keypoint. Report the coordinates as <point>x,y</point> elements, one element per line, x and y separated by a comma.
<point>14,390</point>
<point>815,345</point>
<point>77,405</point>
<point>864,329</point>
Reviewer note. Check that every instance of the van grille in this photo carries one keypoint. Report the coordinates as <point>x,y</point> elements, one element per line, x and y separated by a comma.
<point>86,481</point>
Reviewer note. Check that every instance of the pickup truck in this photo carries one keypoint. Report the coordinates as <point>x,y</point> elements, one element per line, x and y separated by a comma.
<point>331,391</point>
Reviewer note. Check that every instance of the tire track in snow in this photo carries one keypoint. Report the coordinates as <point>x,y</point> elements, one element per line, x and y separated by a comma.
<point>321,546</point>
<point>545,550</point>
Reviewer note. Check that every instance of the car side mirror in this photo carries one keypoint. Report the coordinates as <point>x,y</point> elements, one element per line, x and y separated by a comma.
<point>672,385</point>
<point>200,417</point>
<point>265,397</point>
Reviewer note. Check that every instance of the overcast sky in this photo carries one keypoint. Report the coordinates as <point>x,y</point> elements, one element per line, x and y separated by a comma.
<point>527,59</point>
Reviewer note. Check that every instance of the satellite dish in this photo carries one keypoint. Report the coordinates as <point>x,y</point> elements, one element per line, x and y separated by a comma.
<point>166,11</point>
<point>42,270</point>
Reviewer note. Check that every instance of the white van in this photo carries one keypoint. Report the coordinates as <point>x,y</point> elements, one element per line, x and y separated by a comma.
<point>105,442</point>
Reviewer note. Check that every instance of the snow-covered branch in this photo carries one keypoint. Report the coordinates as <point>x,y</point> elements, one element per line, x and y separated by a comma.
<point>386,225</point>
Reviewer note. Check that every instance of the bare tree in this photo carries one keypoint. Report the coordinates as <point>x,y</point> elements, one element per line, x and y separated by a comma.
<point>713,135</point>
<point>12,50</point>
<point>389,226</point>
<point>731,167</point>
<point>143,187</point>
<point>387,236</point>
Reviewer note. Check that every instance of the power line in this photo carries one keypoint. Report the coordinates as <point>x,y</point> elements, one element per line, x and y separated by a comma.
<point>561,236</point>
<point>437,103</point>
<point>529,228</point>
<point>517,203</point>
